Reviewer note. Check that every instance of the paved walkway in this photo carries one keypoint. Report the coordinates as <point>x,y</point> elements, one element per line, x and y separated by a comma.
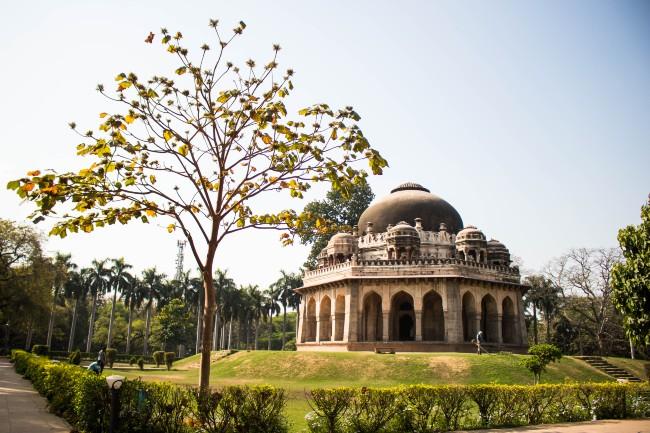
<point>606,426</point>
<point>22,409</point>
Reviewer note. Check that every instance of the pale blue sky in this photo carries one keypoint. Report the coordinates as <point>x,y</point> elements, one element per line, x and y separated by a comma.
<point>531,118</point>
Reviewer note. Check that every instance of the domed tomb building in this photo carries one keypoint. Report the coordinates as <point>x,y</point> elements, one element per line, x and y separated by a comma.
<point>411,277</point>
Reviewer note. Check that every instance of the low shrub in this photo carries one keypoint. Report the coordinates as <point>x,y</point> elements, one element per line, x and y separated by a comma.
<point>40,350</point>
<point>132,360</point>
<point>111,355</point>
<point>141,363</point>
<point>75,357</point>
<point>424,408</point>
<point>169,359</point>
<point>290,345</point>
<point>158,357</point>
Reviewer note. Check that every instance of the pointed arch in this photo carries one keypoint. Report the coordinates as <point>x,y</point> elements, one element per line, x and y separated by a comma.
<point>402,317</point>
<point>372,323</point>
<point>489,321</point>
<point>508,321</point>
<point>433,318</point>
<point>469,316</point>
<point>310,320</point>
<point>325,319</point>
<point>339,314</point>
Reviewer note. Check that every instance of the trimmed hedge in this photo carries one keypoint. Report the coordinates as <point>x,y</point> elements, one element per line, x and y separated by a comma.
<point>423,408</point>
<point>83,399</point>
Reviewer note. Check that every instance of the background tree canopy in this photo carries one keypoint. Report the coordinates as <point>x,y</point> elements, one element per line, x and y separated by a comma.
<point>341,211</point>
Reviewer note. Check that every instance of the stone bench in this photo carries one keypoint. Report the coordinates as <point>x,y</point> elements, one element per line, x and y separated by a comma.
<point>385,350</point>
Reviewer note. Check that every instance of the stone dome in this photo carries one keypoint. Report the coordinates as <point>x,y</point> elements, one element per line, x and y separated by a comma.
<point>470,233</point>
<point>341,238</point>
<point>407,202</point>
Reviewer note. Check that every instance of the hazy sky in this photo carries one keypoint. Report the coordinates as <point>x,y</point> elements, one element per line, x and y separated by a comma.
<point>531,118</point>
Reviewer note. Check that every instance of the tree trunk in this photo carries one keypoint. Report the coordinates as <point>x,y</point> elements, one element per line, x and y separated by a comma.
<point>215,336</point>
<point>128,328</point>
<point>208,317</point>
<point>548,329</point>
<point>199,322</point>
<point>73,327</point>
<point>268,346</point>
<point>109,340</point>
<point>229,333</point>
<point>91,326</point>
<point>50,325</point>
<point>284,325</point>
<point>147,327</point>
<point>535,324</point>
<point>257,327</point>
<point>222,339</point>
<point>631,349</point>
<point>28,340</point>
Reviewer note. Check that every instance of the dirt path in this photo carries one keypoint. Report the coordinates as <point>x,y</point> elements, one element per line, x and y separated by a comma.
<point>22,409</point>
<point>605,426</point>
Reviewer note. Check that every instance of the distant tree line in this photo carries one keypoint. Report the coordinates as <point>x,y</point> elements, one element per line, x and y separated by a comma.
<point>51,301</point>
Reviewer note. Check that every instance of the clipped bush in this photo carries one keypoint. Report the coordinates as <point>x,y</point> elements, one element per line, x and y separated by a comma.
<point>141,363</point>
<point>329,406</point>
<point>40,350</point>
<point>421,411</point>
<point>169,359</point>
<point>75,357</point>
<point>158,357</point>
<point>111,355</point>
<point>290,345</point>
<point>132,360</point>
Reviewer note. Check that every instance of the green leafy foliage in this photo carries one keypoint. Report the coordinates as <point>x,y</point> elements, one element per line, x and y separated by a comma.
<point>169,359</point>
<point>631,279</point>
<point>40,349</point>
<point>159,357</point>
<point>111,356</point>
<point>75,357</point>
<point>172,325</point>
<point>140,363</point>
<point>541,356</point>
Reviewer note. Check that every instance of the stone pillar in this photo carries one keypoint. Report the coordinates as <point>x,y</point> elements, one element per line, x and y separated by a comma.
<point>477,326</point>
<point>385,325</point>
<point>499,329</point>
<point>333,321</point>
<point>418,325</point>
<point>301,321</point>
<point>351,324</point>
<point>318,321</point>
<point>453,314</point>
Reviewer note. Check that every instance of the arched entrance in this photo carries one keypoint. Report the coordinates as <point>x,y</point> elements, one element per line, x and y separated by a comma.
<point>508,321</point>
<point>433,318</point>
<point>402,318</point>
<point>489,323</point>
<point>339,313</point>
<point>310,320</point>
<point>325,319</point>
<point>372,318</point>
<point>469,317</point>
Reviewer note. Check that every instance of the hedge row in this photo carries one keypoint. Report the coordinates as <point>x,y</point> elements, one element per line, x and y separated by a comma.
<point>91,356</point>
<point>83,399</point>
<point>422,408</point>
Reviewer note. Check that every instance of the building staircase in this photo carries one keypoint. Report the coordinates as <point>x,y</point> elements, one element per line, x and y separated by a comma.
<point>609,369</point>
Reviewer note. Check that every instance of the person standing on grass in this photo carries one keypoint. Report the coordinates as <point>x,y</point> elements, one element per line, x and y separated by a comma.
<point>479,340</point>
<point>101,359</point>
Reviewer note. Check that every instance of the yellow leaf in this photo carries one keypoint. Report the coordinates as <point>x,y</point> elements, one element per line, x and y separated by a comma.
<point>266,139</point>
<point>151,213</point>
<point>110,167</point>
<point>167,134</point>
<point>102,115</point>
<point>129,119</point>
<point>333,136</point>
<point>183,150</point>
<point>33,173</point>
<point>124,85</point>
<point>171,228</point>
<point>28,187</point>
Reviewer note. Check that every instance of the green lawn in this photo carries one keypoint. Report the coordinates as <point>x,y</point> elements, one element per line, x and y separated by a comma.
<point>297,372</point>
<point>634,366</point>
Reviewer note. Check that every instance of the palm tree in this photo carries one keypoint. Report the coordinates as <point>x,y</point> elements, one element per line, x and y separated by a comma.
<point>75,288</point>
<point>118,278</point>
<point>62,267</point>
<point>283,288</point>
<point>223,286</point>
<point>256,306</point>
<point>133,295</point>
<point>271,308</point>
<point>97,285</point>
<point>152,283</point>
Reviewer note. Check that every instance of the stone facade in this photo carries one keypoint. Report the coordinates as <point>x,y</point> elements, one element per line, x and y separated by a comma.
<point>410,288</point>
